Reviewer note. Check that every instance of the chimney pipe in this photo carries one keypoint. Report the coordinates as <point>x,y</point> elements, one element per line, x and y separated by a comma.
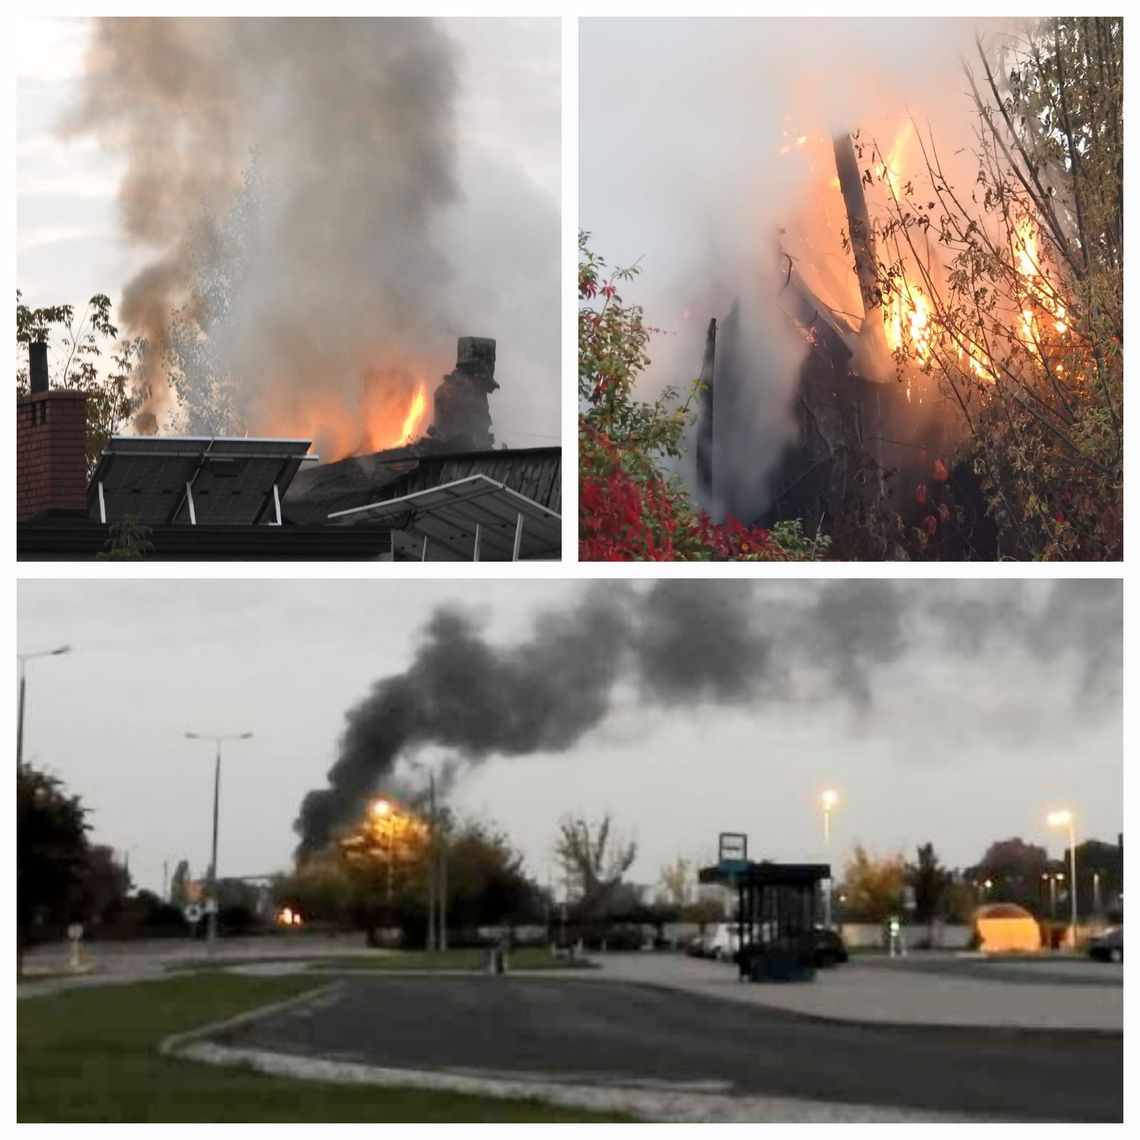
<point>37,367</point>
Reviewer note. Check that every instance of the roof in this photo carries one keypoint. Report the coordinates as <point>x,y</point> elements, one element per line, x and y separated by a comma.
<point>55,535</point>
<point>333,488</point>
<point>768,873</point>
<point>471,518</point>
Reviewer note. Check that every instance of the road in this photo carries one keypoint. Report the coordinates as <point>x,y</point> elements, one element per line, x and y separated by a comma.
<point>625,1034</point>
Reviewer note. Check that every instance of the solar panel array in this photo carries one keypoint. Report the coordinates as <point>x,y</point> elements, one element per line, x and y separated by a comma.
<point>230,481</point>
<point>448,515</point>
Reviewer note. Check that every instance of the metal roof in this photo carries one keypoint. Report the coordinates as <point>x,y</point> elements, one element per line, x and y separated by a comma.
<point>472,518</point>
<point>194,479</point>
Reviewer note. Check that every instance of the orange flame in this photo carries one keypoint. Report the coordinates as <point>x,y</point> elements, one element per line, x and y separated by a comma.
<point>391,410</point>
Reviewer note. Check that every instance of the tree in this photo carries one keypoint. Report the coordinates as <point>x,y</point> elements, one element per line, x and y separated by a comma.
<point>930,882</point>
<point>629,509</point>
<point>80,341</point>
<point>100,888</point>
<point>1015,871</point>
<point>51,851</point>
<point>676,879</point>
<point>178,883</point>
<point>220,254</point>
<point>1008,293</point>
<point>129,541</point>
<point>593,863</point>
<point>873,887</point>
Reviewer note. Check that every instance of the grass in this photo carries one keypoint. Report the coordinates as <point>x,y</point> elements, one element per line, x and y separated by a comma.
<point>90,1055</point>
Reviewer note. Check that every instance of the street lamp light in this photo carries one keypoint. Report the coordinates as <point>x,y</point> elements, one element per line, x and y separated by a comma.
<point>1064,818</point>
<point>23,658</point>
<point>212,919</point>
<point>829,801</point>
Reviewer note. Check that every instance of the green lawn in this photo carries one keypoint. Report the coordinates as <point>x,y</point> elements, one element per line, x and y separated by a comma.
<point>92,1055</point>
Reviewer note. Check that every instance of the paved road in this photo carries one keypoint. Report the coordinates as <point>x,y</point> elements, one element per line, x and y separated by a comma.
<point>625,1034</point>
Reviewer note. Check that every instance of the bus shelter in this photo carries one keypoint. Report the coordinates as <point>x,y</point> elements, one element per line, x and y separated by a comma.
<point>777,904</point>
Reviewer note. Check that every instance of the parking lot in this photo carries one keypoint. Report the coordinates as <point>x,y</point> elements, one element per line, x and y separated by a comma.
<point>613,1033</point>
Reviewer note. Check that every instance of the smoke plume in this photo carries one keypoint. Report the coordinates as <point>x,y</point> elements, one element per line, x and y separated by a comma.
<point>677,644</point>
<point>345,286</point>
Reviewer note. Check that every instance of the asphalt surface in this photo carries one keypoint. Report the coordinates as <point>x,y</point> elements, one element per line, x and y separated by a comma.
<point>624,1034</point>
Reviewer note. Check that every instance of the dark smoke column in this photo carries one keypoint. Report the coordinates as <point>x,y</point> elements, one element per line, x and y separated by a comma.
<point>462,412</point>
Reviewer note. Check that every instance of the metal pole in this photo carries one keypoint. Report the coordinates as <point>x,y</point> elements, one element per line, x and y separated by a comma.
<point>431,861</point>
<point>1073,878</point>
<point>442,890</point>
<point>212,927</point>
<point>827,889</point>
<point>20,718</point>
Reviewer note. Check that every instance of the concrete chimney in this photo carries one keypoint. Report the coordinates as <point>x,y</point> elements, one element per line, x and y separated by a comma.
<point>51,444</point>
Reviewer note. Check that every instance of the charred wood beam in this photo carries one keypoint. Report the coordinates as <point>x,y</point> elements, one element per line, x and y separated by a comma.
<point>866,261</point>
<point>706,432</point>
<point>827,330</point>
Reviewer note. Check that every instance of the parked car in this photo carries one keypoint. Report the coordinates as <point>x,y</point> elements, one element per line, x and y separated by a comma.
<point>698,946</point>
<point>1109,947</point>
<point>830,949</point>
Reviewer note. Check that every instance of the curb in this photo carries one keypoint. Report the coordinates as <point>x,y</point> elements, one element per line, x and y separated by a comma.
<point>180,1044</point>
<point>656,1103</point>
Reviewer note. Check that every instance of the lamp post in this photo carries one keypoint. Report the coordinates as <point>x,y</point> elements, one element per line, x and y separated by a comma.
<point>24,658</point>
<point>212,881</point>
<point>828,801</point>
<point>434,856</point>
<point>381,810</point>
<point>1064,818</point>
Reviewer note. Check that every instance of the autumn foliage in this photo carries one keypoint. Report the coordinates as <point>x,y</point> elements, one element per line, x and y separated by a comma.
<point>629,508</point>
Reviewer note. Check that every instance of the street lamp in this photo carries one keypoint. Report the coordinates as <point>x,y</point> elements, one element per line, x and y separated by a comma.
<point>829,801</point>
<point>1064,818</point>
<point>23,658</point>
<point>437,867</point>
<point>212,920</point>
<point>381,811</point>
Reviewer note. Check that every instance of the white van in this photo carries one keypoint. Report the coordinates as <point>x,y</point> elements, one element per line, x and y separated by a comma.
<point>723,941</point>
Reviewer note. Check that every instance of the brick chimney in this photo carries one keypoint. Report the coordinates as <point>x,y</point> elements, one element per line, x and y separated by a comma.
<point>51,435</point>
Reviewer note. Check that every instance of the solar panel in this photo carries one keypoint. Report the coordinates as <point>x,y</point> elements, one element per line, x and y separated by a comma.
<point>194,479</point>
<point>455,516</point>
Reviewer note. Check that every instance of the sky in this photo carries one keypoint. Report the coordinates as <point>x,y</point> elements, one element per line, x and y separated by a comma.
<point>950,725</point>
<point>502,234</point>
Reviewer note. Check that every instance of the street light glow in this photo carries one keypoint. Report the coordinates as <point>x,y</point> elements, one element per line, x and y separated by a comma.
<point>829,798</point>
<point>1060,818</point>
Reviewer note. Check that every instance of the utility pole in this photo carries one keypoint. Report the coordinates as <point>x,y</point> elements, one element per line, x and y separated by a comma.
<point>431,861</point>
<point>442,884</point>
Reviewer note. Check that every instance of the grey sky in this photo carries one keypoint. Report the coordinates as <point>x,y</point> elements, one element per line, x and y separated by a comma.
<point>502,237</point>
<point>961,742</point>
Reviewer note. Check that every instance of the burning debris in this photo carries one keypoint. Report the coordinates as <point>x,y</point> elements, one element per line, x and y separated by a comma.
<point>722,643</point>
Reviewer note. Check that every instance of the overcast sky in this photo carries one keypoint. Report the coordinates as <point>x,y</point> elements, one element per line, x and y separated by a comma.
<point>502,235</point>
<point>954,733</point>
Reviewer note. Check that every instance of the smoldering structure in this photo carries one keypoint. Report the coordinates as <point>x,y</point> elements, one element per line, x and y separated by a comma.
<point>858,447</point>
<point>685,644</point>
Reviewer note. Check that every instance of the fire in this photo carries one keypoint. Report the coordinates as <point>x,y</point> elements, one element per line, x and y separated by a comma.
<point>390,411</point>
<point>415,414</point>
<point>287,916</point>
